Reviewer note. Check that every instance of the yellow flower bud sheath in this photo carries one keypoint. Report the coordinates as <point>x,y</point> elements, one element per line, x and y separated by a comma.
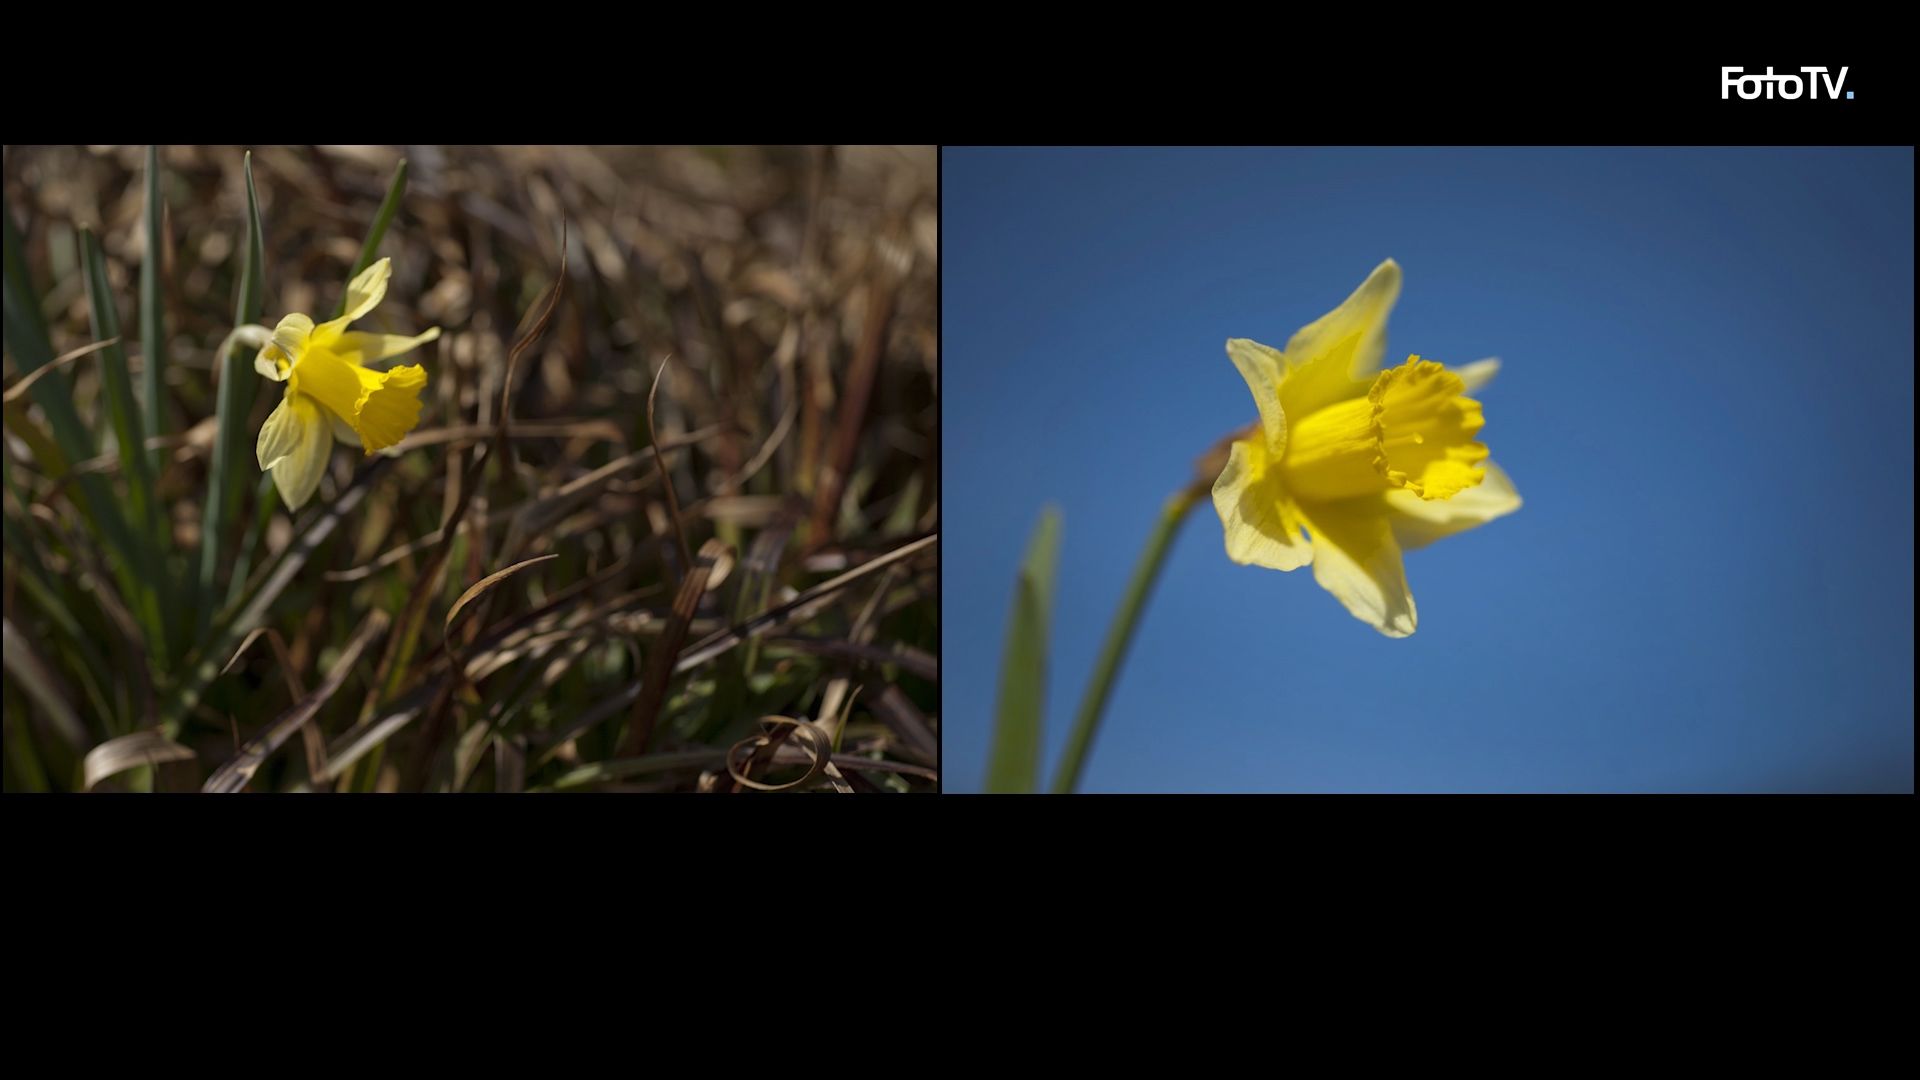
<point>331,393</point>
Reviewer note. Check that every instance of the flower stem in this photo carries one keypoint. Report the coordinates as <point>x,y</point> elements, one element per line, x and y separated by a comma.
<point>1120,634</point>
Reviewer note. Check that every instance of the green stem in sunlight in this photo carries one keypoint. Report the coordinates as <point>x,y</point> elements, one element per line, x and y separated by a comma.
<point>1120,634</point>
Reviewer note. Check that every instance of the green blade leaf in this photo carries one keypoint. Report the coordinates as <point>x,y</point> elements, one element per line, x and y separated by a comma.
<point>396,188</point>
<point>31,574</point>
<point>1014,762</point>
<point>32,349</point>
<point>43,689</point>
<point>123,413</point>
<point>26,326</point>
<point>123,410</point>
<point>1113,650</point>
<point>227,476</point>
<point>153,336</point>
<point>266,499</point>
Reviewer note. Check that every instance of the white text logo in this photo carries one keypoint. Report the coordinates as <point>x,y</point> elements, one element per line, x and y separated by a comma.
<point>1781,86</point>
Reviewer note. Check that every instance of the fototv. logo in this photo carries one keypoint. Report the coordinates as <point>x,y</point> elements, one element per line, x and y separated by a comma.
<point>1733,81</point>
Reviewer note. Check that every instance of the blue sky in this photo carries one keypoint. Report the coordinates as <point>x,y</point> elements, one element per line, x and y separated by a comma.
<point>1706,401</point>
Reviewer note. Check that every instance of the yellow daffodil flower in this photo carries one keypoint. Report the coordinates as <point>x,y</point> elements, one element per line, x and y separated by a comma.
<point>331,392</point>
<point>1348,467</point>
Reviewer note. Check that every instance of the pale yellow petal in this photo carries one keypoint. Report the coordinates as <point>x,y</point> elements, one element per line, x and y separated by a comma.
<point>291,333</point>
<point>284,347</point>
<point>297,450</point>
<point>1479,373</point>
<point>365,292</point>
<point>366,349</point>
<point>1264,368</point>
<point>279,435</point>
<point>1418,522</point>
<point>1340,351</point>
<point>1356,559</point>
<point>1261,526</point>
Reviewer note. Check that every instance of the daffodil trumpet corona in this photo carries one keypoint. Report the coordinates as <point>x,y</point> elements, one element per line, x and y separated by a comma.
<point>1349,465</point>
<point>332,389</point>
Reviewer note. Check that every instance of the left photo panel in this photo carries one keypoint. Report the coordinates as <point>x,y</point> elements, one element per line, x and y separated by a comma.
<point>471,469</point>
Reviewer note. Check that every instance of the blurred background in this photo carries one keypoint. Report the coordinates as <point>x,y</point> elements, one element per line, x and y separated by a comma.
<point>1706,402</point>
<point>793,290</point>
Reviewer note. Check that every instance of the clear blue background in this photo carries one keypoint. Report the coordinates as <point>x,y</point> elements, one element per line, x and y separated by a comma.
<point>1707,403</point>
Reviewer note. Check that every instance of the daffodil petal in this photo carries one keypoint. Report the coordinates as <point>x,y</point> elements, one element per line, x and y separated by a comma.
<point>1418,522</point>
<point>294,445</point>
<point>279,435</point>
<point>1356,559</point>
<point>284,345</point>
<point>1478,374</point>
<point>1328,356</point>
<point>1262,528</point>
<point>291,333</point>
<point>366,349</point>
<point>365,292</point>
<point>1264,368</point>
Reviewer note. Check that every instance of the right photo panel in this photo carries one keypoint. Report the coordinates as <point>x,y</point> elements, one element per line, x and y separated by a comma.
<point>1427,470</point>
